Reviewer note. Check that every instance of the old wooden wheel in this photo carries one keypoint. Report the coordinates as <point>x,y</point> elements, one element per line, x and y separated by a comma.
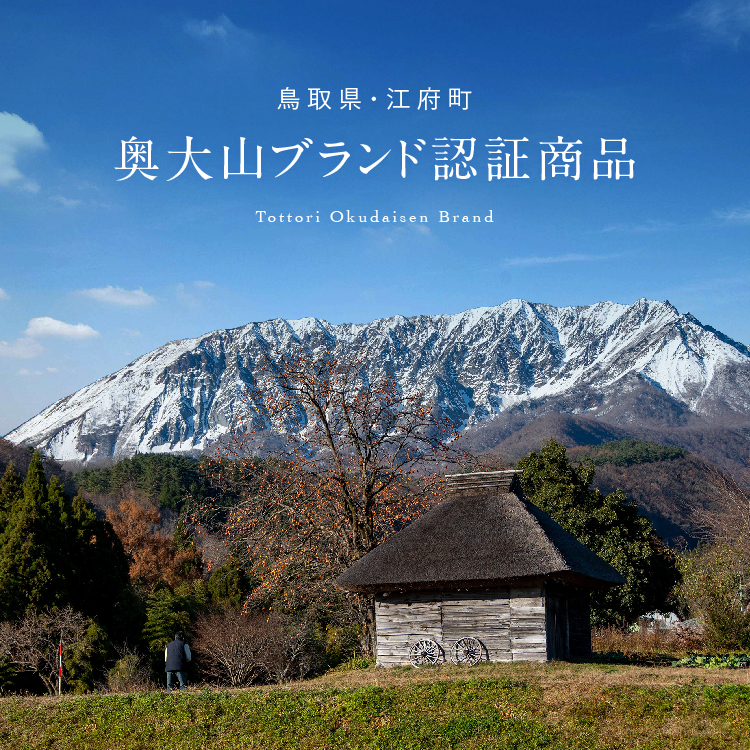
<point>424,652</point>
<point>466,651</point>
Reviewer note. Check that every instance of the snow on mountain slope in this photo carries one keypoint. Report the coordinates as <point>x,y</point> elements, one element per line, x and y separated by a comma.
<point>476,365</point>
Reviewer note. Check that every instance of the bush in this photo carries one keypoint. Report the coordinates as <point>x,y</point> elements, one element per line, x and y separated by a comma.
<point>717,661</point>
<point>712,579</point>
<point>239,649</point>
<point>131,673</point>
<point>7,676</point>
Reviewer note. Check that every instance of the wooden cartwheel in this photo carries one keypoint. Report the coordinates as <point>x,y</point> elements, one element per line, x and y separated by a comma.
<point>467,651</point>
<point>425,652</point>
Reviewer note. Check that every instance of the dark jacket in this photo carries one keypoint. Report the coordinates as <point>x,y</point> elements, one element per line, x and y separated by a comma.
<point>176,656</point>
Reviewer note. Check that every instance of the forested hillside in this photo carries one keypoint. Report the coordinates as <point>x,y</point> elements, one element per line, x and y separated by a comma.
<point>163,478</point>
<point>667,482</point>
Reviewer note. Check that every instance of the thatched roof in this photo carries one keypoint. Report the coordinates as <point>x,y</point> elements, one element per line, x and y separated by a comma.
<point>484,534</point>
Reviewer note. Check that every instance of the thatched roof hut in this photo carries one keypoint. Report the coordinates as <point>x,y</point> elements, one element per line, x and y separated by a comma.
<point>490,563</point>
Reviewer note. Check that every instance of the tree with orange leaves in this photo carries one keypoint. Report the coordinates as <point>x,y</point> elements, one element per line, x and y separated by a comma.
<point>358,461</point>
<point>152,556</point>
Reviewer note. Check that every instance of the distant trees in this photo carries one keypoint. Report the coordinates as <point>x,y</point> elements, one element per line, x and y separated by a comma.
<point>630,452</point>
<point>164,479</point>
<point>152,556</point>
<point>608,525</point>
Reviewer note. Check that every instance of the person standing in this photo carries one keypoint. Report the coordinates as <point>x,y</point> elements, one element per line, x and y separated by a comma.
<point>176,656</point>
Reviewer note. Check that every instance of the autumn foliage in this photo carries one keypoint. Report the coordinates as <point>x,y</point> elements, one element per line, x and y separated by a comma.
<point>152,556</point>
<point>356,463</point>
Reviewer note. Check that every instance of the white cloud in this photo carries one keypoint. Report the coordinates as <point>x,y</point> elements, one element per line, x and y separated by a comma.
<point>39,327</point>
<point>204,284</point>
<point>26,371</point>
<point>220,29</point>
<point>67,202</point>
<point>734,215</point>
<point>535,260</point>
<point>726,21</point>
<point>17,136</point>
<point>114,295</point>
<point>4,295</point>
<point>130,333</point>
<point>22,348</point>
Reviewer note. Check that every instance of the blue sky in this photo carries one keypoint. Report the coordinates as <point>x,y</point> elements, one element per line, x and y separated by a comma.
<point>97,271</point>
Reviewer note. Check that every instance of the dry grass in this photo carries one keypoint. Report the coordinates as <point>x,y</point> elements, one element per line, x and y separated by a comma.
<point>568,677</point>
<point>671,643</point>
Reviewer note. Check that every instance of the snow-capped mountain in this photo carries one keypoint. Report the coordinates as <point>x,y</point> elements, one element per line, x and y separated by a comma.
<point>478,365</point>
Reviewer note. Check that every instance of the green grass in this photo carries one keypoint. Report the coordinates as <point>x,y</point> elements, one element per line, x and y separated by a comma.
<point>462,713</point>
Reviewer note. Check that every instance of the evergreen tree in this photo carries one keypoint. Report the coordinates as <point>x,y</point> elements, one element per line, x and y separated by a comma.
<point>26,577</point>
<point>84,660</point>
<point>188,563</point>
<point>608,525</point>
<point>11,490</point>
<point>229,586</point>
<point>165,615</point>
<point>169,611</point>
<point>99,569</point>
<point>54,552</point>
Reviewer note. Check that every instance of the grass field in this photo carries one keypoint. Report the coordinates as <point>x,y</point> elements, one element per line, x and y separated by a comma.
<point>516,706</point>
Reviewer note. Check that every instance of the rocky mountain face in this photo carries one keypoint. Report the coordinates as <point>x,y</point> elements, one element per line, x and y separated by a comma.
<point>611,369</point>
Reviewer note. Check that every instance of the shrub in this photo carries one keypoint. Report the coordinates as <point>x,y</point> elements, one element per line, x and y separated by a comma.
<point>131,672</point>
<point>239,649</point>
<point>31,645</point>
<point>712,579</point>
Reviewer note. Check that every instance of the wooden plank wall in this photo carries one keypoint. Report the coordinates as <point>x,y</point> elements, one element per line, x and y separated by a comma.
<point>528,638</point>
<point>401,620</point>
<point>509,622</point>
<point>484,615</point>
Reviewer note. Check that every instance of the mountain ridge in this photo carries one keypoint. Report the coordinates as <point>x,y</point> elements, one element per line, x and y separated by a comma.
<point>638,365</point>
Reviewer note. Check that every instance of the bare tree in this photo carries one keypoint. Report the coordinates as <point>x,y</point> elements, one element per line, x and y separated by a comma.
<point>728,520</point>
<point>240,649</point>
<point>726,523</point>
<point>32,643</point>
